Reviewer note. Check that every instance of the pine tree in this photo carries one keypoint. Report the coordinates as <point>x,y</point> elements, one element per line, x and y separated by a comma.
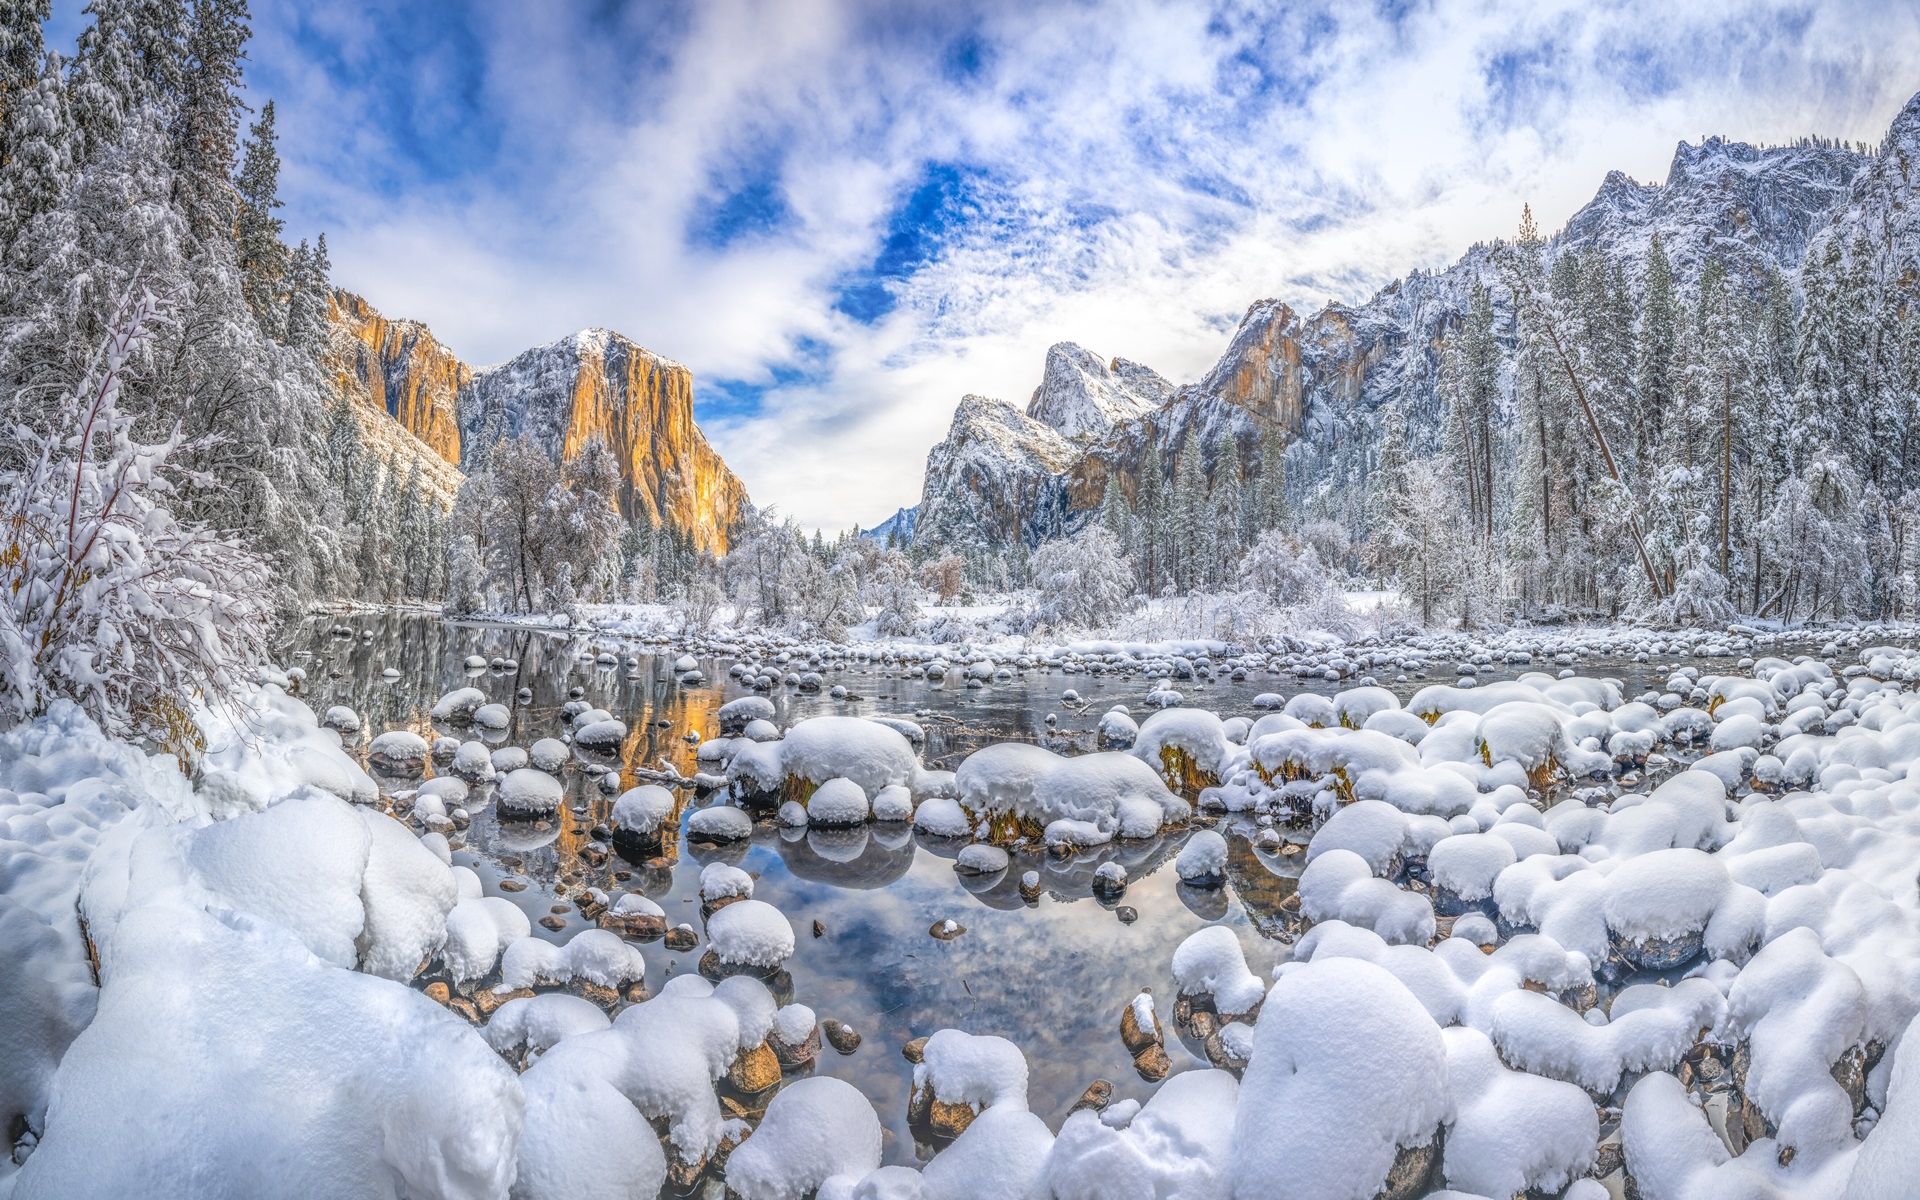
<point>38,140</point>
<point>1190,513</point>
<point>22,57</point>
<point>309,295</point>
<point>1151,509</point>
<point>262,257</point>
<point>206,127</point>
<point>106,86</point>
<point>1653,353</point>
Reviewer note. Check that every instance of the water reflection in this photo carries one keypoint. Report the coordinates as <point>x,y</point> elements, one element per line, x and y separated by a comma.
<point>1052,975</point>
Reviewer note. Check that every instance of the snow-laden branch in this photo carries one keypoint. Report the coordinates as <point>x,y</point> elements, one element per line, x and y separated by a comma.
<point>105,598</point>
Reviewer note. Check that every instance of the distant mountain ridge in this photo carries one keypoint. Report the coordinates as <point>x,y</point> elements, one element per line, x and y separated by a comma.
<point>1317,381</point>
<point>595,384</point>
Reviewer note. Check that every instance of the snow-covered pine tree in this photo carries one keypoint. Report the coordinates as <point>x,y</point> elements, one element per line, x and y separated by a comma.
<point>308,294</point>
<point>1653,350</point>
<point>261,255</point>
<point>1189,514</point>
<point>206,119</point>
<point>36,162</point>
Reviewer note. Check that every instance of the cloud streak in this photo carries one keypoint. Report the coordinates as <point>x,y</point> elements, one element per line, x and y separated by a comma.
<point>844,215</point>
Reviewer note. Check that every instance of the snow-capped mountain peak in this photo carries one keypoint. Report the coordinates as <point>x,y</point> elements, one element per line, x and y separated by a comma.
<point>1082,397</point>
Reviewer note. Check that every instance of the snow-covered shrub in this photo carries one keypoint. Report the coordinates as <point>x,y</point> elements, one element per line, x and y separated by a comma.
<point>1699,599</point>
<point>1082,581</point>
<point>105,597</point>
<point>1282,568</point>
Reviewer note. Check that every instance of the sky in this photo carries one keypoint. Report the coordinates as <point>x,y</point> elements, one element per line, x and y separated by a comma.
<point>844,215</point>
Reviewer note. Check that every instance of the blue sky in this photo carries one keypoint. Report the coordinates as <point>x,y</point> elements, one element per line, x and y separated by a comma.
<point>845,215</point>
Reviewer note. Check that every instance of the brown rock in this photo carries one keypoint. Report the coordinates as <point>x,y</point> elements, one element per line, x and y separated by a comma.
<point>1411,1172</point>
<point>1098,1095</point>
<point>949,1120</point>
<point>513,885</point>
<point>465,1008</point>
<point>600,994</point>
<point>487,1000</point>
<point>554,923</point>
<point>1134,1038</point>
<point>947,930</point>
<point>915,1051</point>
<point>840,1035</point>
<point>755,1070</point>
<point>640,927</point>
<point>819,930</point>
<point>439,992</point>
<point>682,939</point>
<point>793,1056</point>
<point>1153,1064</point>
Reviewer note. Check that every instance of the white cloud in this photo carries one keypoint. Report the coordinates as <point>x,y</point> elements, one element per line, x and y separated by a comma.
<point>1154,167</point>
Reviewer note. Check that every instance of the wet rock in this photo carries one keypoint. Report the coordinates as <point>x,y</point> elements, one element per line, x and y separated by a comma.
<point>682,939</point>
<point>1132,1036</point>
<point>439,992</point>
<point>1659,954</point>
<point>554,923</point>
<point>915,1051</point>
<point>794,1056</point>
<point>947,930</point>
<point>840,1035</point>
<point>1030,886</point>
<point>1153,1064</point>
<point>513,885</point>
<point>1612,1157</point>
<point>638,926</point>
<point>465,1008</point>
<point>596,993</point>
<point>755,1070</point>
<point>684,1176</point>
<point>1127,913</point>
<point>819,930</point>
<point>1098,1095</point>
<point>1411,1172</point>
<point>488,999</point>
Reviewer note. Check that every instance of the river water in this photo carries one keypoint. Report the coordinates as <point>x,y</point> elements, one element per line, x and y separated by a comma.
<point>1052,976</point>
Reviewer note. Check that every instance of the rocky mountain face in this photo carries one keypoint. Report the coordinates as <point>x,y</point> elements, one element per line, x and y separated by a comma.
<point>1081,398</point>
<point>593,385</point>
<point>998,478</point>
<point>1317,381</point>
<point>598,385</point>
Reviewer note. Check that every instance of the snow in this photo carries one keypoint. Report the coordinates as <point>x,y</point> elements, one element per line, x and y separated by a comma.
<point>1203,860</point>
<point>979,1070</point>
<point>750,933</point>
<point>532,1025</point>
<point>980,859</point>
<point>868,753</point>
<point>1347,1067</point>
<point>719,880</point>
<point>1511,1131</point>
<point>529,792</point>
<point>838,802</point>
<point>645,809</point>
<point>815,1131</point>
<point>942,817</point>
<point>721,823</point>
<point>1210,962</point>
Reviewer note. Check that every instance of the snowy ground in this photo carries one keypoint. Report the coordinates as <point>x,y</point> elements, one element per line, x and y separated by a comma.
<point>1541,940</point>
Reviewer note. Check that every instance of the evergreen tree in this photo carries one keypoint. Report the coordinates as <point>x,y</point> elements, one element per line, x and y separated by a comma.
<point>206,127</point>
<point>1190,513</point>
<point>262,256</point>
<point>35,163</point>
<point>22,59</point>
<point>1653,352</point>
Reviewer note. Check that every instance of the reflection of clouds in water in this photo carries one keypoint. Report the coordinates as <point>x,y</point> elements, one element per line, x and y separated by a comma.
<point>1052,977</point>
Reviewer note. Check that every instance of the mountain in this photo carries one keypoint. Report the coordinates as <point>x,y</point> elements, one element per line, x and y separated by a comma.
<point>595,384</point>
<point>998,478</point>
<point>899,526</point>
<point>1080,397</point>
<point>1316,382</point>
